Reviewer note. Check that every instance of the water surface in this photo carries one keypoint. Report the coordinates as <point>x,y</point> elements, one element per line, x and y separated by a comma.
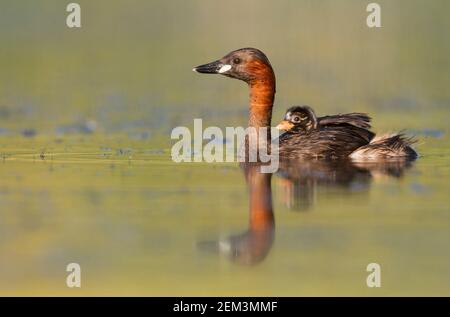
<point>141,225</point>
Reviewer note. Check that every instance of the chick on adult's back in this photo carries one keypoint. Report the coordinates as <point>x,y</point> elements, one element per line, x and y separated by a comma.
<point>338,136</point>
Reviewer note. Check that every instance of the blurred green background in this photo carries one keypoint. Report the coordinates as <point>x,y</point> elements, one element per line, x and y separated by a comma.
<point>129,66</point>
<point>86,175</point>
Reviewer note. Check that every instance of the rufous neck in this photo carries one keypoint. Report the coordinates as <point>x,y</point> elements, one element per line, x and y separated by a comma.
<point>262,95</point>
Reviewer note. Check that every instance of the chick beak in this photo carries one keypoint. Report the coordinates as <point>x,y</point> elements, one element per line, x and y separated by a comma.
<point>216,67</point>
<point>285,125</point>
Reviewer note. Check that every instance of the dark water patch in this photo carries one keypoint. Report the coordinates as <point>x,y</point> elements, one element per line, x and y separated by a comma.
<point>216,140</point>
<point>397,103</point>
<point>420,189</point>
<point>139,136</point>
<point>4,131</point>
<point>154,151</point>
<point>429,132</point>
<point>83,127</point>
<point>29,133</point>
<point>118,113</point>
<point>20,109</point>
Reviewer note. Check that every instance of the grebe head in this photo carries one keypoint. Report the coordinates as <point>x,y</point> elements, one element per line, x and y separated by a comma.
<point>247,64</point>
<point>300,118</point>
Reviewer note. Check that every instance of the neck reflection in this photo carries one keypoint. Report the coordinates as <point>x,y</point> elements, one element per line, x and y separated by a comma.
<point>253,245</point>
<point>301,183</point>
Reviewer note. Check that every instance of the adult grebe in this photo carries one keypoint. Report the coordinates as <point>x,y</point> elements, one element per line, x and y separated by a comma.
<point>253,67</point>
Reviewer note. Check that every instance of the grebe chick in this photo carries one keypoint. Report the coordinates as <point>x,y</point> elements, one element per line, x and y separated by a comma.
<point>301,124</point>
<point>303,118</point>
<point>331,137</point>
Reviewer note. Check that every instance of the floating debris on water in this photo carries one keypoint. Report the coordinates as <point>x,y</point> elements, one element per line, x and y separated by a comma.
<point>123,152</point>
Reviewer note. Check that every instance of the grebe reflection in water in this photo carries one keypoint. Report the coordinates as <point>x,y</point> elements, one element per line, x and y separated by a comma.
<point>253,245</point>
<point>309,179</point>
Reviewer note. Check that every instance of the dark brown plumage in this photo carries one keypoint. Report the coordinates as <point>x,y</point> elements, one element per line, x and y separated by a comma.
<point>326,142</point>
<point>387,147</point>
<point>360,120</point>
<point>338,136</point>
<point>330,137</point>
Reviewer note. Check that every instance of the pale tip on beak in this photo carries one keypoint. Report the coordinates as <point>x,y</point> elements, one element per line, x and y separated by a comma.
<point>224,68</point>
<point>225,246</point>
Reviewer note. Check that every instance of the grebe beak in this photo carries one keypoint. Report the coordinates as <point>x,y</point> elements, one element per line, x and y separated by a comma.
<point>285,125</point>
<point>216,67</point>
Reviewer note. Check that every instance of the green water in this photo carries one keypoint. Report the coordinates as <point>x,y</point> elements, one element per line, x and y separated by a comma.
<point>86,174</point>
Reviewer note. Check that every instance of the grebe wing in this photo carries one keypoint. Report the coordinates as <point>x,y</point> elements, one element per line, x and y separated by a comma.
<point>360,120</point>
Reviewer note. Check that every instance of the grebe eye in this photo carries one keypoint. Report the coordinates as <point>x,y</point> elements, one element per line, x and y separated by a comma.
<point>237,60</point>
<point>296,119</point>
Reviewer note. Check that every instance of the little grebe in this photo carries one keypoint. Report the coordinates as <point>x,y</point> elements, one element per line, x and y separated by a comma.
<point>336,137</point>
<point>303,118</point>
<point>330,135</point>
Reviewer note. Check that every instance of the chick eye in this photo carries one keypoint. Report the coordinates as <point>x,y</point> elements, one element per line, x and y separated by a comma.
<point>237,60</point>
<point>296,119</point>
